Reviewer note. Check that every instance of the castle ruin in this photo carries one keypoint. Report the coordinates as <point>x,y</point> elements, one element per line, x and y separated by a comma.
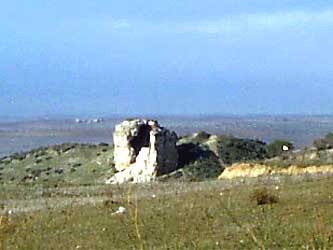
<point>143,150</point>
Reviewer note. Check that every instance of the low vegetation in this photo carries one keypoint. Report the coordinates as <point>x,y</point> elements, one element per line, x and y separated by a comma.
<point>278,148</point>
<point>302,158</point>
<point>68,163</point>
<point>232,150</point>
<point>204,156</point>
<point>285,214</point>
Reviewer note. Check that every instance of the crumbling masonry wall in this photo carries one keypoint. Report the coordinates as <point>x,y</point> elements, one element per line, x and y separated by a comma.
<point>143,150</point>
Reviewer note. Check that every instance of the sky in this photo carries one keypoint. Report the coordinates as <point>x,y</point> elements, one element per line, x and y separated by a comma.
<point>166,57</point>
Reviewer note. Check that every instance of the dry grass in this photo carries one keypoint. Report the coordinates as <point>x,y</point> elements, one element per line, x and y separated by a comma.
<point>210,215</point>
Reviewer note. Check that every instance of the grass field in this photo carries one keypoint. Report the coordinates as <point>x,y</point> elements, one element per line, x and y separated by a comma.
<point>205,215</point>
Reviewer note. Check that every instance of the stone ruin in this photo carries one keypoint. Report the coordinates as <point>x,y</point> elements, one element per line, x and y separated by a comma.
<point>143,150</point>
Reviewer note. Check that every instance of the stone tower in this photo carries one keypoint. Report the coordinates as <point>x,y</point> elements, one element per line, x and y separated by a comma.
<point>143,150</point>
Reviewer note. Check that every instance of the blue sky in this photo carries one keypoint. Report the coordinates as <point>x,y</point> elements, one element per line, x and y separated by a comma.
<point>166,57</point>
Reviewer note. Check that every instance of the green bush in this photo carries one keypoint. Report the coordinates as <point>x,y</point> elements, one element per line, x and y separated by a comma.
<point>276,148</point>
<point>231,149</point>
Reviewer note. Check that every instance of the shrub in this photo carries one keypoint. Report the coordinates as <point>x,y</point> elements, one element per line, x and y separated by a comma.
<point>276,148</point>
<point>263,197</point>
<point>231,149</point>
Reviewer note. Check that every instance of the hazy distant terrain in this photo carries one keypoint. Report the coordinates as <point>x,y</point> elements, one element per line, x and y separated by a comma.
<point>16,136</point>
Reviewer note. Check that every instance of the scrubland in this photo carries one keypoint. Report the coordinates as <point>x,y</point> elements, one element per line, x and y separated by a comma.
<point>262,213</point>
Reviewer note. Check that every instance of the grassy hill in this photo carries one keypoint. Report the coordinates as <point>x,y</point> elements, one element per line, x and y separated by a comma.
<point>202,156</point>
<point>66,163</point>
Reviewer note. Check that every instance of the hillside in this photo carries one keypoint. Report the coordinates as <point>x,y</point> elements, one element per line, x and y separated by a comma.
<point>202,156</point>
<point>66,163</point>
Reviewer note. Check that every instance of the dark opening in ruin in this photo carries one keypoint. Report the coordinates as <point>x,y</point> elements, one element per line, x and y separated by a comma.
<point>141,140</point>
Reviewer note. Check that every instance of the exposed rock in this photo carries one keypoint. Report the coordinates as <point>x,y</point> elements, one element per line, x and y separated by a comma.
<point>143,150</point>
<point>241,170</point>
